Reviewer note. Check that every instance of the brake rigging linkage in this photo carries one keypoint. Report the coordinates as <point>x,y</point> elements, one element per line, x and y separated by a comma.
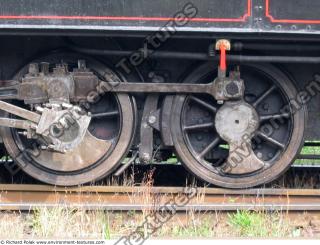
<point>222,88</point>
<point>232,88</point>
<point>235,121</point>
<point>56,91</point>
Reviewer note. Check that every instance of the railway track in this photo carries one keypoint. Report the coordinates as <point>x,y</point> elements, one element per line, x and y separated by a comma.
<point>29,197</point>
<point>176,175</point>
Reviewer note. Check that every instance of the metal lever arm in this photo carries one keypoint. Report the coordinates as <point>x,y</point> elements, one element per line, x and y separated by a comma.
<point>20,112</point>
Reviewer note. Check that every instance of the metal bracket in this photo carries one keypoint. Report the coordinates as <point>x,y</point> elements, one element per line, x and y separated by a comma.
<point>154,120</point>
<point>165,121</point>
<point>146,131</point>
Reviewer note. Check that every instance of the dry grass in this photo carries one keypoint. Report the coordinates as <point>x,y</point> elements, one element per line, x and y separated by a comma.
<point>66,223</point>
<point>51,223</point>
<point>12,225</point>
<point>126,179</point>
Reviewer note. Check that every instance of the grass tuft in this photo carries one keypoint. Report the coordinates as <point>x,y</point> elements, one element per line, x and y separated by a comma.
<point>258,224</point>
<point>72,223</point>
<point>11,226</point>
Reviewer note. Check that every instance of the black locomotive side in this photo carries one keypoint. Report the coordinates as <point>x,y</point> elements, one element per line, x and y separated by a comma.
<point>246,16</point>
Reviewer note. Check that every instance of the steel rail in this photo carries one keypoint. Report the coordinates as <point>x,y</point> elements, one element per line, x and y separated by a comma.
<point>29,197</point>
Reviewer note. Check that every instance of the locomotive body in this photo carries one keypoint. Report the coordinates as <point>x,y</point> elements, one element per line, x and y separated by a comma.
<point>231,16</point>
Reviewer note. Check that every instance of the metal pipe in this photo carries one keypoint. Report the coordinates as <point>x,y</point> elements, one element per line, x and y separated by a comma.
<point>203,56</point>
<point>274,59</point>
<point>239,46</point>
<point>151,53</point>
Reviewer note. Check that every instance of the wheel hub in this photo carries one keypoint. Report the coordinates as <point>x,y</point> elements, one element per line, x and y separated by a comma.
<point>236,121</point>
<point>64,128</point>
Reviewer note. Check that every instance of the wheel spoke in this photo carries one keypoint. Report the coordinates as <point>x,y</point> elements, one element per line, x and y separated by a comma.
<point>105,114</point>
<point>270,140</point>
<point>263,96</point>
<point>274,116</point>
<point>204,104</point>
<point>199,126</point>
<point>212,145</point>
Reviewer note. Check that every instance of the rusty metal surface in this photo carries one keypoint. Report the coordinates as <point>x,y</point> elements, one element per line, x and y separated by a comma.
<point>112,135</point>
<point>16,123</point>
<point>29,115</point>
<point>78,158</point>
<point>27,197</point>
<point>146,129</point>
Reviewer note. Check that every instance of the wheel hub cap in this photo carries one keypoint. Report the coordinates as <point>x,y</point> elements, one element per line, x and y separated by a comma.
<point>236,121</point>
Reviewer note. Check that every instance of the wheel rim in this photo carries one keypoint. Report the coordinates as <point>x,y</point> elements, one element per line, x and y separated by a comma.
<point>107,141</point>
<point>205,153</point>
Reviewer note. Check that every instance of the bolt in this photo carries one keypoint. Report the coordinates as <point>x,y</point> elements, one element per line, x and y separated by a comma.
<point>67,106</point>
<point>158,79</point>
<point>45,68</point>
<point>146,157</point>
<point>39,109</point>
<point>259,155</point>
<point>232,89</point>
<point>220,102</point>
<point>82,64</point>
<point>34,69</point>
<point>293,27</point>
<point>152,119</point>
<point>151,74</point>
<point>24,133</point>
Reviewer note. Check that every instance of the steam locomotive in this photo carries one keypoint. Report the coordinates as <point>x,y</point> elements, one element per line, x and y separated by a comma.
<point>223,86</point>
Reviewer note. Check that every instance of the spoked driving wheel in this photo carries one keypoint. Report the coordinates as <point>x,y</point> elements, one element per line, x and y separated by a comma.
<point>105,143</point>
<point>245,142</point>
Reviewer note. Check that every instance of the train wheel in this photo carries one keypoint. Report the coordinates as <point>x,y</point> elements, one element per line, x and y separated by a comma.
<point>242,143</point>
<point>104,145</point>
